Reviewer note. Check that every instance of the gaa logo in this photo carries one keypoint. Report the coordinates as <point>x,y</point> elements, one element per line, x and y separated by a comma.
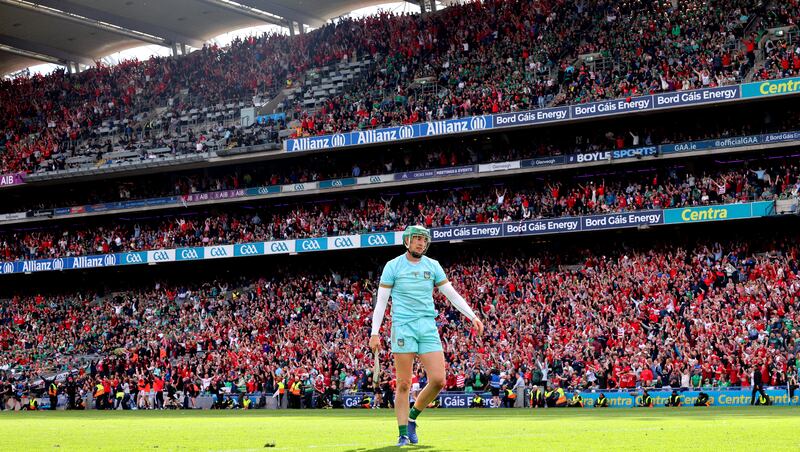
<point>279,247</point>
<point>263,190</point>
<point>299,187</point>
<point>218,252</point>
<point>189,254</point>
<point>310,245</point>
<point>109,260</point>
<point>338,140</point>
<point>377,240</point>
<point>406,132</point>
<point>477,123</point>
<point>160,256</point>
<point>375,180</point>
<point>340,242</point>
<point>58,264</point>
<point>336,183</point>
<point>248,250</point>
<point>8,267</point>
<point>133,258</point>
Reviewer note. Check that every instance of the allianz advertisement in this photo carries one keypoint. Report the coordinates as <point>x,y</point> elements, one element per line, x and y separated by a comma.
<point>618,220</point>
<point>658,101</point>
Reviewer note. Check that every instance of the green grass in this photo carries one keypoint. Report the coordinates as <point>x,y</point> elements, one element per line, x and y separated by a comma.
<point>746,428</point>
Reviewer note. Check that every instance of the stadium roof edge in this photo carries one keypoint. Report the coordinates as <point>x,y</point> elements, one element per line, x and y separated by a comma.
<point>84,31</point>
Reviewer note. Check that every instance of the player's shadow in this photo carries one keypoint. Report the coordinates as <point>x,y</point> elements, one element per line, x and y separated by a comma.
<point>389,448</point>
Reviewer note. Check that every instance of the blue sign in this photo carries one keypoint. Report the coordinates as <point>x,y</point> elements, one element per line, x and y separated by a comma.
<point>248,249</point>
<point>438,172</point>
<point>258,191</point>
<point>379,239</point>
<point>466,232</point>
<point>190,254</point>
<point>305,245</point>
<point>453,126</point>
<point>387,135</point>
<point>542,116</point>
<point>612,107</point>
<point>318,143</point>
<point>336,183</point>
<point>698,96</point>
<point>622,220</point>
<point>612,155</point>
<point>132,258</point>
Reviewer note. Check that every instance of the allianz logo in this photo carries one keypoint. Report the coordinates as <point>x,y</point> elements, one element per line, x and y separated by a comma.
<point>218,251</point>
<point>477,123</point>
<point>338,140</point>
<point>248,249</point>
<point>8,267</point>
<point>278,247</point>
<point>342,242</point>
<point>406,132</point>
<point>377,240</point>
<point>311,245</point>
<point>109,260</point>
<point>133,258</point>
<point>189,254</point>
<point>58,264</point>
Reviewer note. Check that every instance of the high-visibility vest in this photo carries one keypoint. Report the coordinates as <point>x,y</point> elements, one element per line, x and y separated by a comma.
<point>561,396</point>
<point>99,390</point>
<point>52,390</point>
<point>511,394</point>
<point>281,388</point>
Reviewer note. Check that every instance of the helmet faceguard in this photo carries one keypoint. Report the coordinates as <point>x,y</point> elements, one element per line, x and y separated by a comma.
<point>413,231</point>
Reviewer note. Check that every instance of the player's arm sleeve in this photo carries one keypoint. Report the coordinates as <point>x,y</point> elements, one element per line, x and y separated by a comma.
<point>384,290</point>
<point>380,309</point>
<point>457,300</point>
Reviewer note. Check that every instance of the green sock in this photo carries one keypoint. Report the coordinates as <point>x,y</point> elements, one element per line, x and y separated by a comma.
<point>403,430</point>
<point>414,413</point>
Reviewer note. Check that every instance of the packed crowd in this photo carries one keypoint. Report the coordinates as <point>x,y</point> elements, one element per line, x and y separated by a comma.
<point>581,194</point>
<point>485,57</point>
<point>328,166</point>
<point>665,315</point>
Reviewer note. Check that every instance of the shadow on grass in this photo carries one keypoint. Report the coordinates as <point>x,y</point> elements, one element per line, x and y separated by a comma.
<point>389,448</point>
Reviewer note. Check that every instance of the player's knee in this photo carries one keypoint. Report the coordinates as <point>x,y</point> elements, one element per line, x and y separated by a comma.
<point>403,385</point>
<point>437,381</point>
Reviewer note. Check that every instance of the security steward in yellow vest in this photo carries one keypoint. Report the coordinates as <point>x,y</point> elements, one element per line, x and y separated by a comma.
<point>99,390</point>
<point>509,398</point>
<point>477,401</point>
<point>601,402</point>
<point>294,395</point>
<point>577,400</point>
<point>537,397</point>
<point>52,392</point>
<point>281,393</point>
<point>646,401</point>
<point>674,400</point>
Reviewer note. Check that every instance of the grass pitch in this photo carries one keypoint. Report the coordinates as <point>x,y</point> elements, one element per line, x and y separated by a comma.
<point>746,428</point>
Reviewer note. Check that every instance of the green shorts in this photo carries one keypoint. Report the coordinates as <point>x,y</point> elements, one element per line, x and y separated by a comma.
<point>418,336</point>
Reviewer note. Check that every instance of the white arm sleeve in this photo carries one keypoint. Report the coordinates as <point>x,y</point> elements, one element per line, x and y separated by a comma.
<point>456,300</point>
<point>380,309</point>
